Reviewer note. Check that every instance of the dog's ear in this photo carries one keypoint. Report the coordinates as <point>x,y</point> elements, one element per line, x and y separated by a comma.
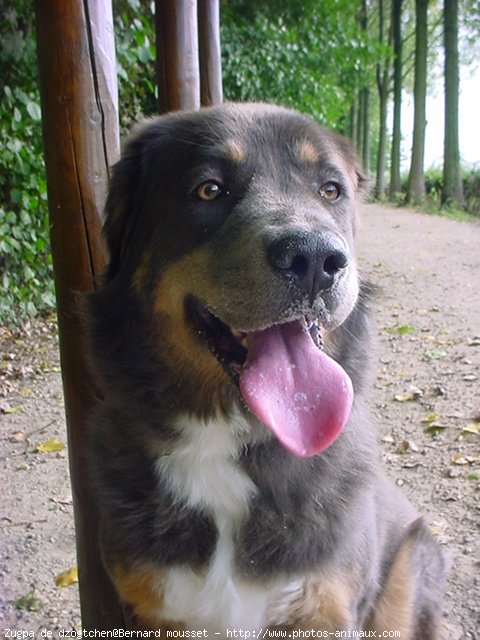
<point>363,183</point>
<point>124,199</point>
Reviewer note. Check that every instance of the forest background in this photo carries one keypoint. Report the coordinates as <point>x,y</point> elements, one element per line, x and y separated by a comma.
<point>351,64</point>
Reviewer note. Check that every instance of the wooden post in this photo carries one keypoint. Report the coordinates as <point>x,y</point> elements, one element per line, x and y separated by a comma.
<point>178,70</point>
<point>189,68</point>
<point>76,58</point>
<point>209,52</point>
<point>80,131</point>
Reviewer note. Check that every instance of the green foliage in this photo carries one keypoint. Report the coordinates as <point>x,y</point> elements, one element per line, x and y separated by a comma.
<point>313,57</point>
<point>25,262</point>
<point>471,191</point>
<point>135,46</point>
<point>434,186</point>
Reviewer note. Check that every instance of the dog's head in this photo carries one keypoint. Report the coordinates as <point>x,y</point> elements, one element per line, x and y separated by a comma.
<point>230,223</point>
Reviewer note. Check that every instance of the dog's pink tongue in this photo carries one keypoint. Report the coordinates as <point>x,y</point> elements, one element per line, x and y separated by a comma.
<point>295,389</point>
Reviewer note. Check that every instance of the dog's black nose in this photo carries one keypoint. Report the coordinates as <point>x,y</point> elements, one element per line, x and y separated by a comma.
<point>311,261</point>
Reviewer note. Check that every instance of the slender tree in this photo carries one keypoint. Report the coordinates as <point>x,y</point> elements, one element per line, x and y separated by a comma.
<point>383,86</point>
<point>416,183</point>
<point>452,180</point>
<point>365,102</point>
<point>360,122</point>
<point>395,180</point>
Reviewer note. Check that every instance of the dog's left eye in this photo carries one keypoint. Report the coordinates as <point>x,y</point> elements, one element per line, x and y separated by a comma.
<point>330,191</point>
<point>209,190</point>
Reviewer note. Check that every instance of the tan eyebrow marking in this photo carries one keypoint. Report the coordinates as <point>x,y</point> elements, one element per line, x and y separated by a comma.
<point>306,152</point>
<point>235,151</point>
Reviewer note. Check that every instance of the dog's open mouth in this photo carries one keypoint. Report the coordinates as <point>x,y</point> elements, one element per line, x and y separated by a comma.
<point>295,389</point>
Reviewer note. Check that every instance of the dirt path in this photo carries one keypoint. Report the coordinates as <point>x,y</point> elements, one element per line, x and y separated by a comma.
<point>425,400</point>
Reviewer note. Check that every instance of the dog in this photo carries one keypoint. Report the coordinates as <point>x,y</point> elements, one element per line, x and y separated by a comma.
<point>234,459</point>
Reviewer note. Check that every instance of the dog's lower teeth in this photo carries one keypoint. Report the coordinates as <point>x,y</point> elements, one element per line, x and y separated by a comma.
<point>316,334</point>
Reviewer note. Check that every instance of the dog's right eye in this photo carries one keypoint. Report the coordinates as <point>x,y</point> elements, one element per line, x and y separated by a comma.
<point>209,190</point>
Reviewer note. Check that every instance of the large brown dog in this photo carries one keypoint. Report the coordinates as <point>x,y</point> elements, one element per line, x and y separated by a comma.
<point>236,463</point>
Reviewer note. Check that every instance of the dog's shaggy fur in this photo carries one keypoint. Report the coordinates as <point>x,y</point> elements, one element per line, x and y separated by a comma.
<point>222,223</point>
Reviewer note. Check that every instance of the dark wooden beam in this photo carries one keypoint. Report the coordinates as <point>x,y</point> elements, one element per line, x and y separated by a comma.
<point>178,70</point>
<point>209,52</point>
<point>79,113</point>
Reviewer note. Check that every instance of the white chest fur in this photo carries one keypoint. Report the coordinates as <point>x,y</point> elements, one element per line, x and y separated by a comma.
<point>203,472</point>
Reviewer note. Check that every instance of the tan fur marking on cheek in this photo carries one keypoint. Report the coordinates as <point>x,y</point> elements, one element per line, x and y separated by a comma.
<point>395,607</point>
<point>141,589</point>
<point>140,274</point>
<point>235,151</point>
<point>307,153</point>
<point>184,277</point>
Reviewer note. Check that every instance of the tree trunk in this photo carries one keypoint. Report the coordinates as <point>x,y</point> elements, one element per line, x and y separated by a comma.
<point>395,178</point>
<point>383,84</point>
<point>366,131</point>
<point>364,112</point>
<point>452,180</point>
<point>359,132</point>
<point>352,129</point>
<point>382,145</point>
<point>416,183</point>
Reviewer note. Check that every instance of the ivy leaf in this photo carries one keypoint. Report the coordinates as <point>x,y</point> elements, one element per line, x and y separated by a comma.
<point>29,602</point>
<point>34,111</point>
<point>405,329</point>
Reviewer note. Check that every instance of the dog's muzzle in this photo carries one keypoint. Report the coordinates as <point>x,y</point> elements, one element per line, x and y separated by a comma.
<point>312,262</point>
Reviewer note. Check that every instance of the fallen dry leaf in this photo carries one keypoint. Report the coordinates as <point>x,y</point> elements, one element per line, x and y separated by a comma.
<point>412,394</point>
<point>25,392</point>
<point>435,427</point>
<point>50,446</point>
<point>18,436</point>
<point>411,465</point>
<point>437,528</point>
<point>458,458</point>
<point>472,428</point>
<point>407,445</point>
<point>8,410</point>
<point>407,397</point>
<point>66,578</point>
<point>432,417</point>
<point>436,354</point>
